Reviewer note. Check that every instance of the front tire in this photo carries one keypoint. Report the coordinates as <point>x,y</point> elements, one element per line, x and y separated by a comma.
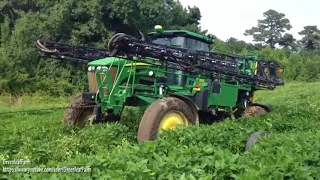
<point>78,116</point>
<point>165,113</point>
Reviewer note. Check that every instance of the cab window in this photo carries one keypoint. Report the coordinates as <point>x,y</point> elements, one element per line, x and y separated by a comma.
<point>171,41</point>
<point>197,45</point>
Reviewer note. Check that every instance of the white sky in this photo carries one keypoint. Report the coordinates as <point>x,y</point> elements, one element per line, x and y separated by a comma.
<point>230,18</point>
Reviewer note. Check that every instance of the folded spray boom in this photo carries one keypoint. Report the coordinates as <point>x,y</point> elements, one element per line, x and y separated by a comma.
<point>245,69</point>
<point>74,53</point>
<point>251,70</point>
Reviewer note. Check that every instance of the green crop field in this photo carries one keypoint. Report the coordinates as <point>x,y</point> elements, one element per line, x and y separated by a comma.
<point>291,151</point>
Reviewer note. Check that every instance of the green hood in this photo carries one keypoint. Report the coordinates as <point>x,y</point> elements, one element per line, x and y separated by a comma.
<point>107,61</point>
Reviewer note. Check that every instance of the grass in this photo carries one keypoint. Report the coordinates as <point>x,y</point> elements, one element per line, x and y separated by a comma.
<point>198,152</point>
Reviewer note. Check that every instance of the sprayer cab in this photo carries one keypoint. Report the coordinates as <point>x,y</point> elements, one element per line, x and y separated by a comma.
<point>181,39</point>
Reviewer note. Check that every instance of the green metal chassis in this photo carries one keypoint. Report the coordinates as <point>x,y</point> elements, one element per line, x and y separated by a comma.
<point>127,89</point>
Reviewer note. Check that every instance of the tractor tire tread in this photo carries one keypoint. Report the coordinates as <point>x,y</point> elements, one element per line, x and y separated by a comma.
<point>151,119</point>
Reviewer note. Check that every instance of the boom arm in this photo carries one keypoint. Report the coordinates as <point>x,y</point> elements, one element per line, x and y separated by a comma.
<point>227,66</point>
<point>74,53</point>
<point>230,67</point>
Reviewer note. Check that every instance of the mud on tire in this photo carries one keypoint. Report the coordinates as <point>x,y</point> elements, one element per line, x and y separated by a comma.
<point>151,119</point>
<point>253,111</point>
<point>77,116</point>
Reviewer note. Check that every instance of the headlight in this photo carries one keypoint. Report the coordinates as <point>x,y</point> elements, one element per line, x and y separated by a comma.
<point>150,73</point>
<point>104,68</point>
<point>99,67</point>
<point>89,68</point>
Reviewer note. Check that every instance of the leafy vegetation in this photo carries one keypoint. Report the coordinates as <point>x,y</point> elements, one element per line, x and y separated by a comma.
<point>217,151</point>
<point>111,150</point>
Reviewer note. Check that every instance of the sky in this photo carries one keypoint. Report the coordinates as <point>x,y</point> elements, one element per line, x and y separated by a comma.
<point>230,18</point>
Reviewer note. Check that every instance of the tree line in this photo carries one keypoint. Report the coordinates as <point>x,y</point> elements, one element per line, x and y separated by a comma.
<point>93,22</point>
<point>300,58</point>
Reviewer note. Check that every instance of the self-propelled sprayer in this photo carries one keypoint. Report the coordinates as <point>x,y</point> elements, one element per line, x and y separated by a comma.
<point>171,72</point>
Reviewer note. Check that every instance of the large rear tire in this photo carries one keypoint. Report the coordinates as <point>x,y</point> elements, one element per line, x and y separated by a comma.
<point>78,116</point>
<point>165,113</point>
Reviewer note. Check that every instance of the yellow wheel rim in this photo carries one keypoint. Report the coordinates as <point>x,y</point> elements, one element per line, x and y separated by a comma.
<point>171,120</point>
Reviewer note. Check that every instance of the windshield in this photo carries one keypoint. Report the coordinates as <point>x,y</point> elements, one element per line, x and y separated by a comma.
<point>184,42</point>
<point>197,45</point>
<point>171,41</point>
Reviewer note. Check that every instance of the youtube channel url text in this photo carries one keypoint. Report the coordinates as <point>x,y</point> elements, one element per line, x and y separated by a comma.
<point>45,170</point>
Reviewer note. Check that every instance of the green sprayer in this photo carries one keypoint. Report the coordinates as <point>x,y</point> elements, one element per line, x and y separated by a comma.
<point>171,72</point>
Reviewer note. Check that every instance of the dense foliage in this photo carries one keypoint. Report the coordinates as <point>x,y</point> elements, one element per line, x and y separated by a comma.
<point>291,151</point>
<point>93,22</point>
<point>111,150</point>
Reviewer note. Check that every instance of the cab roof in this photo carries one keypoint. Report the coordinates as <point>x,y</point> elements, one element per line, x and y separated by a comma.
<point>200,37</point>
